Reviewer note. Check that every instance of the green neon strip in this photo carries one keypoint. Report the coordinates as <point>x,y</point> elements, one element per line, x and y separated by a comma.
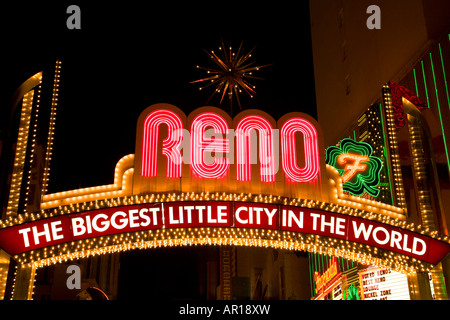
<point>443,287</point>
<point>311,275</point>
<point>321,260</point>
<point>354,135</point>
<point>440,116</point>
<point>448,102</point>
<point>389,176</point>
<point>425,83</point>
<point>415,81</point>
<point>385,154</point>
<point>319,267</point>
<point>315,262</point>
<point>445,76</point>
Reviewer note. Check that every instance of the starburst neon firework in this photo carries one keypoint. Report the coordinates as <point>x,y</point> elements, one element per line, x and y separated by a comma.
<point>231,74</point>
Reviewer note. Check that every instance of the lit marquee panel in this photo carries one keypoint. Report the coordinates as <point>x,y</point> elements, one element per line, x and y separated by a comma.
<point>383,284</point>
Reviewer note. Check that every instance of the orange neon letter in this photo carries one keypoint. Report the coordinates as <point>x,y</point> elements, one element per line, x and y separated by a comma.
<point>356,166</point>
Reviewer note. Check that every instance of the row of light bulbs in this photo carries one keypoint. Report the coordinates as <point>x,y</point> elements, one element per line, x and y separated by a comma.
<point>216,236</point>
<point>283,240</point>
<point>392,137</point>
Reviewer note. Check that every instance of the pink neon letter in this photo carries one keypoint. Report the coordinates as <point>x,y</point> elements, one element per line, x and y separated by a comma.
<point>170,146</point>
<point>266,148</point>
<point>289,153</point>
<point>200,144</point>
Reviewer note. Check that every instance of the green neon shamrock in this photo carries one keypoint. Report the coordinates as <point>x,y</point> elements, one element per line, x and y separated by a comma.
<point>352,293</point>
<point>360,170</point>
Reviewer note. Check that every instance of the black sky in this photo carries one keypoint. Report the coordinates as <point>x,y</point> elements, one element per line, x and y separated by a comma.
<point>128,56</point>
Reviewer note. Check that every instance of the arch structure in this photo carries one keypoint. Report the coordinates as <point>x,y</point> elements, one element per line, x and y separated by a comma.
<point>128,215</point>
<point>91,223</point>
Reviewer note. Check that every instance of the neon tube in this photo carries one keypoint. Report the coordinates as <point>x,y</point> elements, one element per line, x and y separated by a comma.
<point>170,147</point>
<point>201,144</point>
<point>266,149</point>
<point>289,153</point>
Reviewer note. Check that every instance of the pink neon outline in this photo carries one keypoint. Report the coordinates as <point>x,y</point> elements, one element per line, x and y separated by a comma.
<point>289,154</point>
<point>266,147</point>
<point>170,148</point>
<point>201,144</point>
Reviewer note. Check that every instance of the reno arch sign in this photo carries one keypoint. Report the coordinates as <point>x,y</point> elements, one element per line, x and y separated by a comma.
<point>209,151</point>
<point>208,179</point>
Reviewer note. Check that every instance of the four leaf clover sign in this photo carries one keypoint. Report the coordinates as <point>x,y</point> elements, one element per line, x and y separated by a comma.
<point>359,169</point>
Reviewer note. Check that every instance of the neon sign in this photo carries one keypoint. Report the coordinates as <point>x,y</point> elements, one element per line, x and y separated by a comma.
<point>212,142</point>
<point>196,180</point>
<point>266,145</point>
<point>170,147</point>
<point>201,144</point>
<point>360,170</point>
<point>231,215</point>
<point>331,274</point>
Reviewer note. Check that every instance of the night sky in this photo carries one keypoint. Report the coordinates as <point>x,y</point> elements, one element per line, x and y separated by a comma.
<point>128,56</point>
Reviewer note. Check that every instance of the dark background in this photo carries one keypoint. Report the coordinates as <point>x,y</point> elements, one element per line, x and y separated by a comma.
<point>128,56</point>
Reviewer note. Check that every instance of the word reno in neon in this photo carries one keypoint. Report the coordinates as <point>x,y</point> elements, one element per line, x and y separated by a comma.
<point>212,146</point>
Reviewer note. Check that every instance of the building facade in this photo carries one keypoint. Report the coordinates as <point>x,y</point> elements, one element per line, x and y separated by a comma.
<point>403,108</point>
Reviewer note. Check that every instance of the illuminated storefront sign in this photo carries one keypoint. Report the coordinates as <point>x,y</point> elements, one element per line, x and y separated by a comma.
<point>218,214</point>
<point>383,284</point>
<point>329,276</point>
<point>360,170</point>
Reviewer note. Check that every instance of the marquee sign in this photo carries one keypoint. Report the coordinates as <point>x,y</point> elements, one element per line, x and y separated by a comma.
<point>218,214</point>
<point>331,274</point>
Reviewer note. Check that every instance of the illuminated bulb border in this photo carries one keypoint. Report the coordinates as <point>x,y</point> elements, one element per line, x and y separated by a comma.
<point>119,194</point>
<point>393,147</point>
<point>276,239</point>
<point>219,236</point>
<point>20,154</point>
